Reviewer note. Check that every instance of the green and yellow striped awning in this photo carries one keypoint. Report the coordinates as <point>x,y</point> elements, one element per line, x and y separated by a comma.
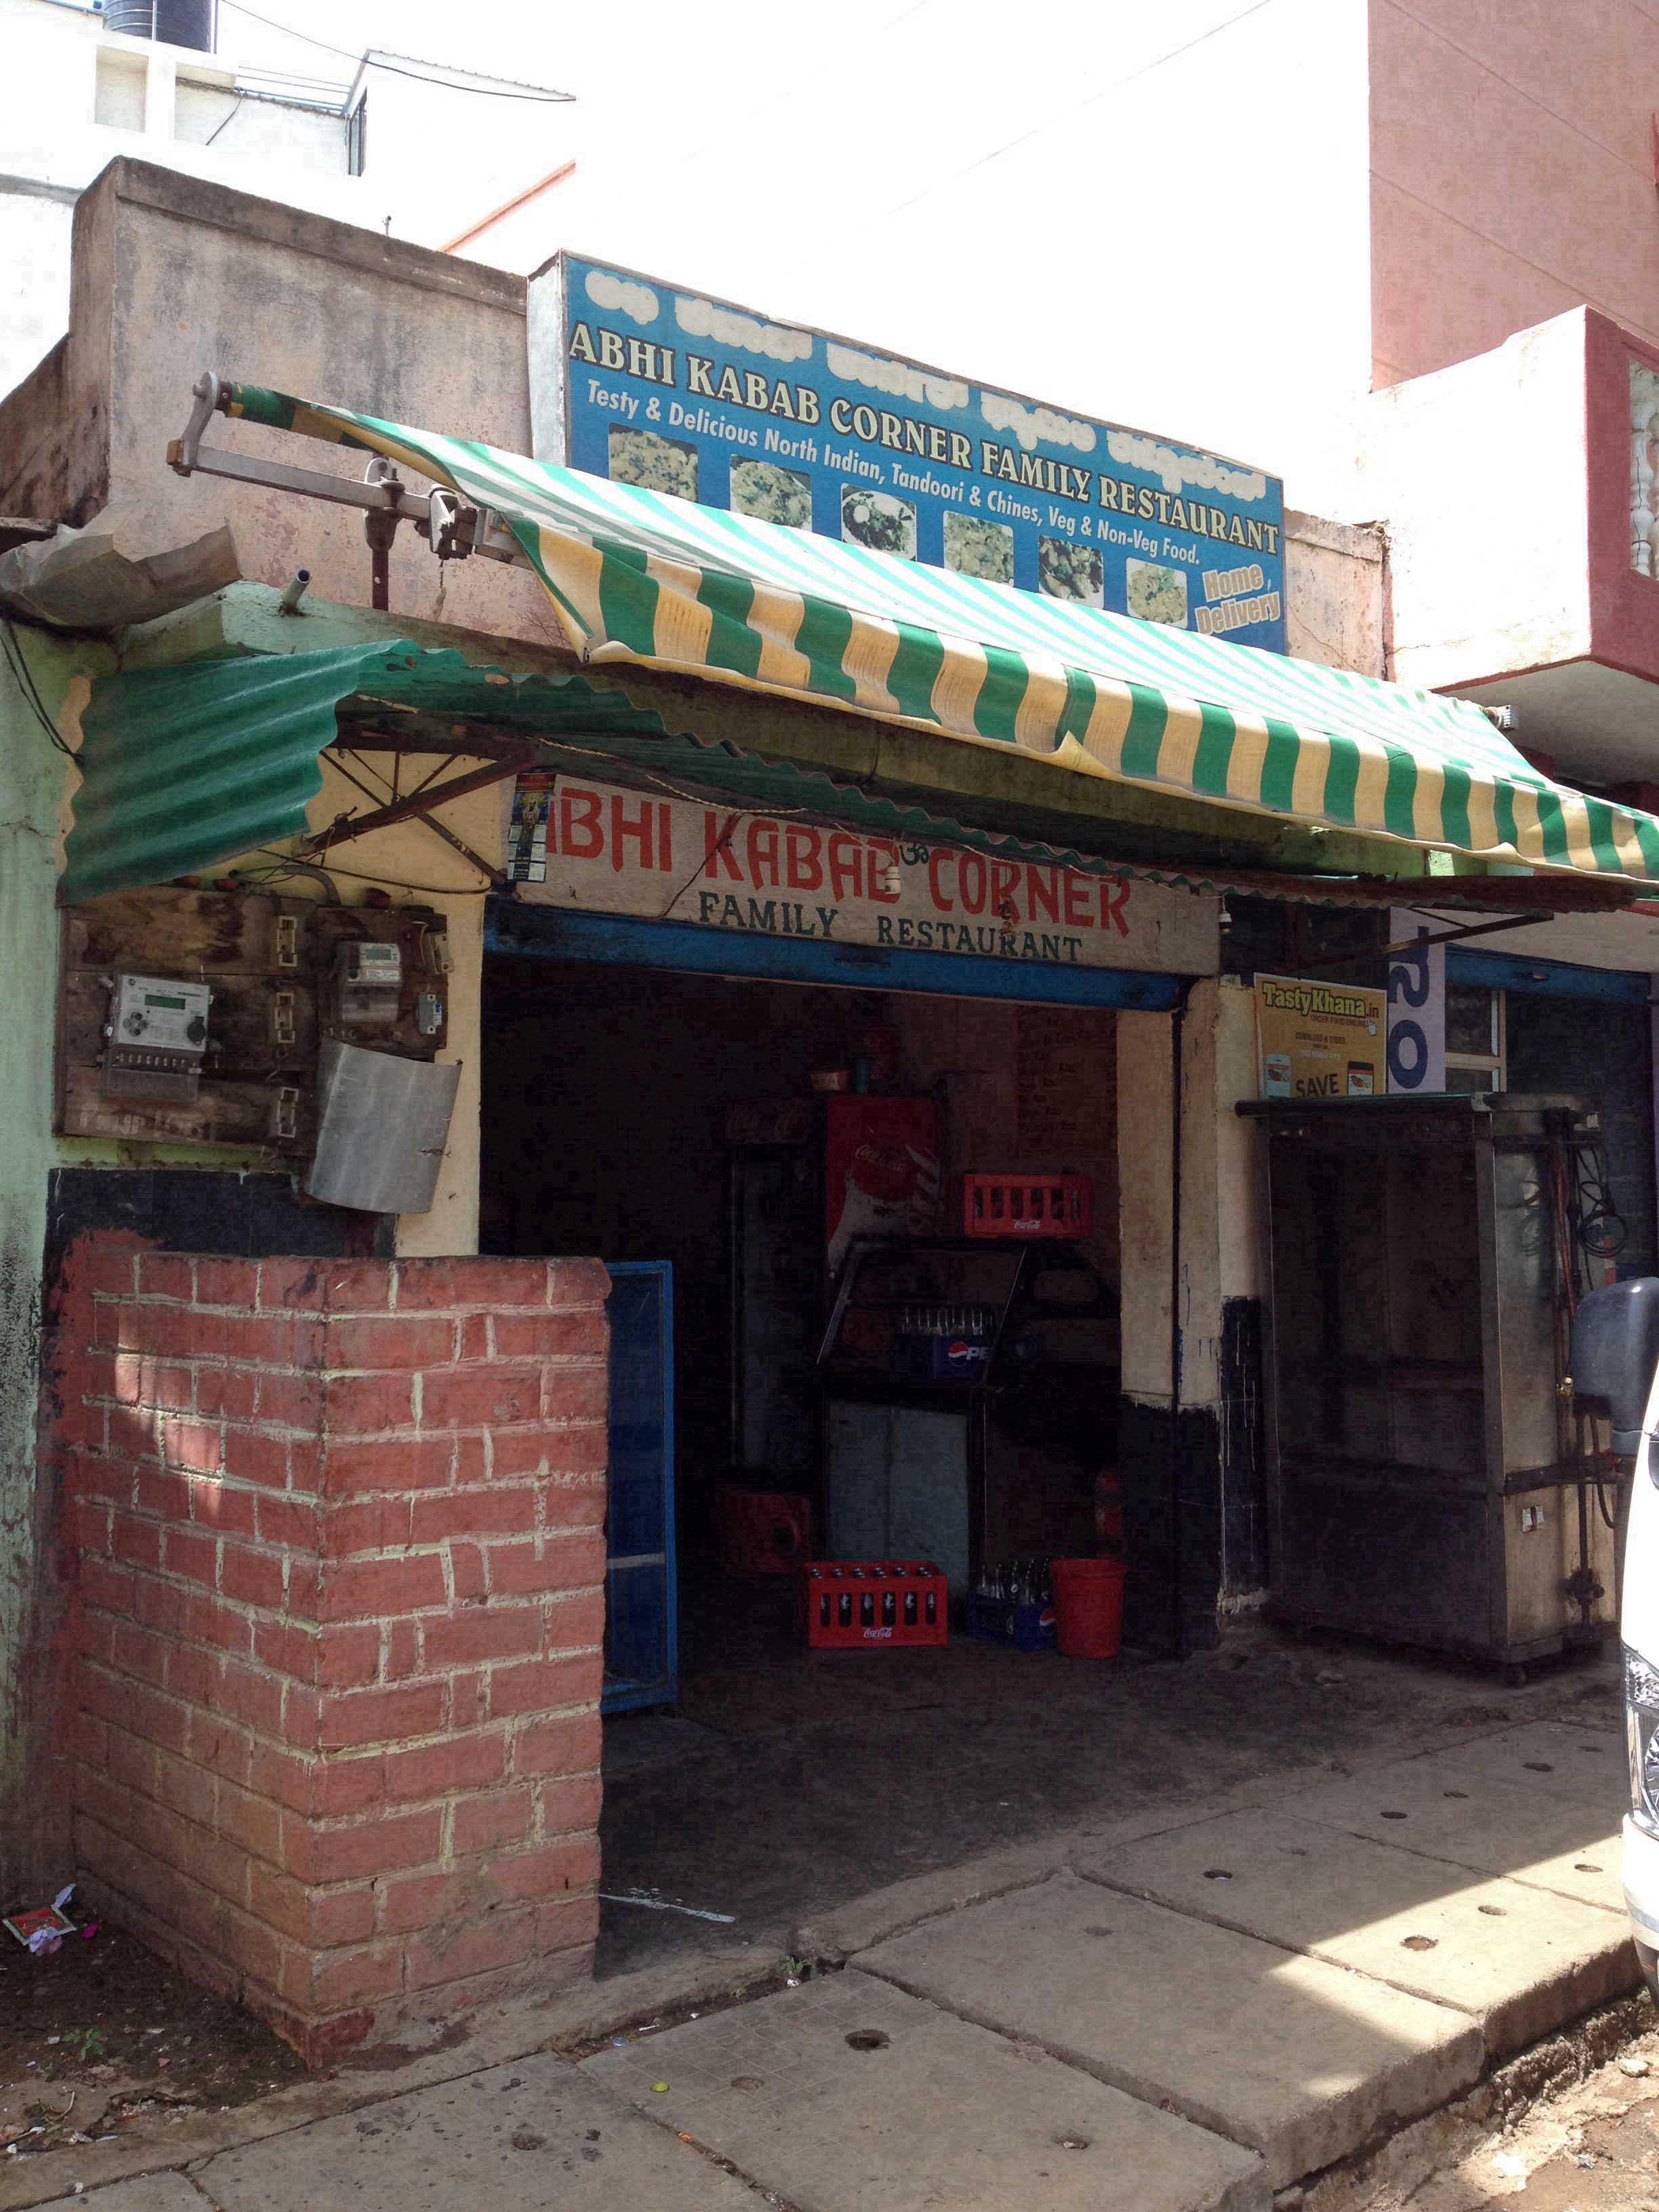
<point>638,576</point>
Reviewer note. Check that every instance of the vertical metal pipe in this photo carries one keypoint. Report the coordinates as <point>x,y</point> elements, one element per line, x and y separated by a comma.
<point>1177,1617</point>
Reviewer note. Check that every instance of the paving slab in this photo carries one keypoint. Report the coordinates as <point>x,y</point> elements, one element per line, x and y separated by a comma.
<point>918,2108</point>
<point>1289,2056</point>
<point>1444,1806</point>
<point>1522,1961</point>
<point>150,2192</point>
<point>1558,1758</point>
<point>536,2135</point>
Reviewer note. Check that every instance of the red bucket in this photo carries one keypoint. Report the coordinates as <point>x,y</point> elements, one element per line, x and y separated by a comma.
<point>1088,1607</point>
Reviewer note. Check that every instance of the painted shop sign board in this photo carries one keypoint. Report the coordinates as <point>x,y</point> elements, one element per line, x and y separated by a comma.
<point>599,849</point>
<point>1417,1004</point>
<point>1320,1039</point>
<point>644,383</point>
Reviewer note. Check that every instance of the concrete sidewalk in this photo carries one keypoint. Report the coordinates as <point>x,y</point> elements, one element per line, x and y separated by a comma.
<point>1182,2015</point>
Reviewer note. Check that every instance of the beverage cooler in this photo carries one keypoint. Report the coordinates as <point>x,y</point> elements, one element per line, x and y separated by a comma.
<point>949,1430</point>
<point>946,1398</point>
<point>1426,1484</point>
<point>808,1176</point>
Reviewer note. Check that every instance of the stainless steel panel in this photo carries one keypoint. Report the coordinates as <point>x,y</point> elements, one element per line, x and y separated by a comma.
<point>382,1128</point>
<point>1525,1323</point>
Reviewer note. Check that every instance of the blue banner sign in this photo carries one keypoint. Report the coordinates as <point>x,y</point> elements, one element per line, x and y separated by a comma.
<point>643,383</point>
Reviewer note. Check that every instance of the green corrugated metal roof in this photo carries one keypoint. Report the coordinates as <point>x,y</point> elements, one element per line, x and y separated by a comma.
<point>185,767</point>
<point>181,767</point>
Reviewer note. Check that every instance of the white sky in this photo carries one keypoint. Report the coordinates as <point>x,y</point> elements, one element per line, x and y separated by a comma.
<point>974,184</point>
<point>772,116</point>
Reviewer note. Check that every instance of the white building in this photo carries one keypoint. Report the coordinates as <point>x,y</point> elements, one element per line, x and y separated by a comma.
<point>361,146</point>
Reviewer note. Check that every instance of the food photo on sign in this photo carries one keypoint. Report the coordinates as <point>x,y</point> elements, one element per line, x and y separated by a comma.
<point>644,383</point>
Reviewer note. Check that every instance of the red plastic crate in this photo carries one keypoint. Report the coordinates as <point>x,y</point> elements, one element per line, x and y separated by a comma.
<point>763,1532</point>
<point>1062,1206</point>
<point>873,1604</point>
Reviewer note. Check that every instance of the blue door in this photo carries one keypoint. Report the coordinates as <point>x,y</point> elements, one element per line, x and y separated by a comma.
<point>642,1641</point>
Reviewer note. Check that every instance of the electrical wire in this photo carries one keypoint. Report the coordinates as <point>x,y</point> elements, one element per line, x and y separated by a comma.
<point>361,876</point>
<point>289,31</point>
<point>483,91</point>
<point>1600,1229</point>
<point>26,684</point>
<point>547,98</point>
<point>235,110</point>
<point>20,668</point>
<point>1075,108</point>
<point>1581,1214</point>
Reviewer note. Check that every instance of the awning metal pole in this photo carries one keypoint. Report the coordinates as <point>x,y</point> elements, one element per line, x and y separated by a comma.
<point>1420,943</point>
<point>466,529</point>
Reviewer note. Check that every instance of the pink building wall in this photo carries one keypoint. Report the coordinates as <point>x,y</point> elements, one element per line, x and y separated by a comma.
<point>1512,172</point>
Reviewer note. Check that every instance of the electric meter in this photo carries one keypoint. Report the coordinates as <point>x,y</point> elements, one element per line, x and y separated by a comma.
<point>369,979</point>
<point>156,1038</point>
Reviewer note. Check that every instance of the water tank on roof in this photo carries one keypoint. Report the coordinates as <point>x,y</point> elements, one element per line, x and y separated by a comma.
<point>175,22</point>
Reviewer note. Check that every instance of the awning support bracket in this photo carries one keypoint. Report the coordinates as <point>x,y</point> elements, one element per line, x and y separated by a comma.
<point>1420,943</point>
<point>348,826</point>
<point>453,529</point>
<point>486,868</point>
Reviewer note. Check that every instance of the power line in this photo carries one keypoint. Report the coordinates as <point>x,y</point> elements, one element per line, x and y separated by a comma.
<point>1075,108</point>
<point>421,76</point>
<point>20,668</point>
<point>235,110</point>
<point>289,32</point>
<point>483,91</point>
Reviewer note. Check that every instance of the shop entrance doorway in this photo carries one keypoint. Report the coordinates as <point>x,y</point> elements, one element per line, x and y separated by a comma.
<point>854,1378</point>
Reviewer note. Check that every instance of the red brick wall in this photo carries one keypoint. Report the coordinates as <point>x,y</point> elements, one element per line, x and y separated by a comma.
<point>338,1574</point>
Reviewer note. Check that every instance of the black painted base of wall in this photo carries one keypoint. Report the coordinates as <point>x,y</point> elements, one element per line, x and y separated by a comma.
<point>1171,1480</point>
<point>1243,1449</point>
<point>206,1210</point>
<point>1194,1500</point>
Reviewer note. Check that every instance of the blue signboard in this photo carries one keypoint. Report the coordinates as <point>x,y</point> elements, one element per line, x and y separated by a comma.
<point>644,383</point>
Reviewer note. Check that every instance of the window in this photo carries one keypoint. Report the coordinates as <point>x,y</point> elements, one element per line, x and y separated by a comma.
<point>1474,1037</point>
<point>356,138</point>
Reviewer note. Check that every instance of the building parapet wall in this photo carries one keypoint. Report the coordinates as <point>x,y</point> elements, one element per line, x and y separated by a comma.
<point>169,269</point>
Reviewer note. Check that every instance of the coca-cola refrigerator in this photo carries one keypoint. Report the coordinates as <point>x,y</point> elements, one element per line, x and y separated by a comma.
<point>808,1176</point>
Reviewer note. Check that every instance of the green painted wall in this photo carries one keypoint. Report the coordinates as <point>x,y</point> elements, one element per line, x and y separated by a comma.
<point>33,778</point>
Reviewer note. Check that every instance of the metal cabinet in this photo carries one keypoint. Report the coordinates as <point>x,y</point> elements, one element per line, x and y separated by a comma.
<point>641,1639</point>
<point>966,1390</point>
<point>896,1482</point>
<point>1424,1482</point>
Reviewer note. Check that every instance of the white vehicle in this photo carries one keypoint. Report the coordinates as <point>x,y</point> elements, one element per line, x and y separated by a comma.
<point>1615,1375</point>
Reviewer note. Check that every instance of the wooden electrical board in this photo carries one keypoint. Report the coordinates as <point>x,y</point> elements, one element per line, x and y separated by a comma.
<point>273,967</point>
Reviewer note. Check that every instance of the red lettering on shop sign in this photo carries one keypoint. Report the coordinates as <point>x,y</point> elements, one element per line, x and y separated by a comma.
<point>717,837</point>
<point>805,869</point>
<point>581,836</point>
<point>936,859</point>
<point>638,828</point>
<point>846,865</point>
<point>971,882</point>
<point>1042,893</point>
<point>762,853</point>
<point>1004,875</point>
<point>1077,902</point>
<point>1114,897</point>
